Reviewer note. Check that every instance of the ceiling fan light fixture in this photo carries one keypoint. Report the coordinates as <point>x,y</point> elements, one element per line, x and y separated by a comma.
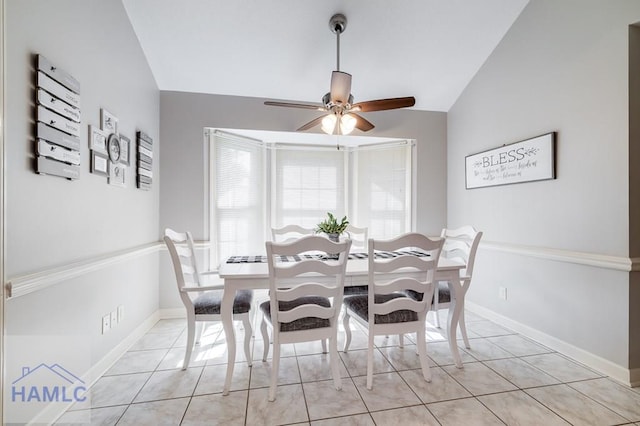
<point>347,124</point>
<point>329,123</point>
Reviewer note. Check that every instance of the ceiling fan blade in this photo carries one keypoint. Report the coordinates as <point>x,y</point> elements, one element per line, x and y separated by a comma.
<point>362,123</point>
<point>311,124</point>
<point>384,104</point>
<point>317,107</point>
<point>340,87</point>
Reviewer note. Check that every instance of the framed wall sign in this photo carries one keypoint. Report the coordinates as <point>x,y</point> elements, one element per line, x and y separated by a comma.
<point>108,121</point>
<point>99,164</point>
<point>97,139</point>
<point>58,117</point>
<point>116,174</point>
<point>525,161</point>
<point>125,144</point>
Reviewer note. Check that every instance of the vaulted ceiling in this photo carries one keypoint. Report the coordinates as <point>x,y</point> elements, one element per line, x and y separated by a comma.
<point>284,49</point>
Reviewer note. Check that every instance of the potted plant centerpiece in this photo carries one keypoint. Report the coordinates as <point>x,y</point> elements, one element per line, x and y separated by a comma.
<point>332,227</point>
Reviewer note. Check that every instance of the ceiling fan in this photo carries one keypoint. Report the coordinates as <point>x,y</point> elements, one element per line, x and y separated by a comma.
<point>342,114</point>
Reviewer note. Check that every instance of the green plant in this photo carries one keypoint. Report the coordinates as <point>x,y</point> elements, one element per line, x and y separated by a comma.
<point>332,226</point>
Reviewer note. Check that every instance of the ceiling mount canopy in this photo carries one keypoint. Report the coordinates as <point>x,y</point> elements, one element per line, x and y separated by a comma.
<point>341,117</point>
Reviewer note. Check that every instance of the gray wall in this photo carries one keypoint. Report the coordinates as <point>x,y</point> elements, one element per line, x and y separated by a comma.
<point>183,116</point>
<point>563,66</point>
<point>54,223</point>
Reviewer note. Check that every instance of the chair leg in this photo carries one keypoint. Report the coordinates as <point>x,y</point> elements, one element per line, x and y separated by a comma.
<point>401,340</point>
<point>463,330</point>
<point>190,338</point>
<point>248,332</point>
<point>265,339</point>
<point>422,354</point>
<point>324,346</point>
<point>199,331</point>
<point>333,358</point>
<point>435,307</point>
<point>274,371</point>
<point>370,361</point>
<point>347,331</point>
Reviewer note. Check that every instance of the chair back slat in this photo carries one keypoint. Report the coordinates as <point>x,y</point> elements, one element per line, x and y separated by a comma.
<point>289,233</point>
<point>306,311</point>
<point>294,269</point>
<point>404,261</point>
<point>402,284</point>
<point>316,289</point>
<point>184,251</point>
<point>399,304</point>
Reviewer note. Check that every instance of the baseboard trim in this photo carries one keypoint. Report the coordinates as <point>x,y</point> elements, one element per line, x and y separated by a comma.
<point>53,411</point>
<point>171,313</point>
<point>617,263</point>
<point>620,374</point>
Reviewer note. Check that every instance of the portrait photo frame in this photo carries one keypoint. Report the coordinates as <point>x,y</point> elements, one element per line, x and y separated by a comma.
<point>125,150</point>
<point>108,122</point>
<point>97,139</point>
<point>116,174</point>
<point>99,163</point>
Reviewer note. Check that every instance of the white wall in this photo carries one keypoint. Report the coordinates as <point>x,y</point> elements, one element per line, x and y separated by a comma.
<point>55,223</point>
<point>563,67</point>
<point>183,117</point>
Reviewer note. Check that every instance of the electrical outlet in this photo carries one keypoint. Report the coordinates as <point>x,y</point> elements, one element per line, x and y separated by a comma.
<point>106,323</point>
<point>120,313</point>
<point>502,293</point>
<point>114,318</point>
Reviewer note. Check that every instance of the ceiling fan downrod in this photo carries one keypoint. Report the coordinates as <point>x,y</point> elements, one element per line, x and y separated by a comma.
<point>338,23</point>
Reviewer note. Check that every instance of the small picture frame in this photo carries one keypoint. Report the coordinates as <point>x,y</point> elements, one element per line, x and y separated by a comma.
<point>125,148</point>
<point>99,163</point>
<point>108,122</point>
<point>97,140</point>
<point>116,174</point>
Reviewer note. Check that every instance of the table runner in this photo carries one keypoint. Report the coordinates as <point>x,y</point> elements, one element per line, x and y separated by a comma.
<point>298,258</point>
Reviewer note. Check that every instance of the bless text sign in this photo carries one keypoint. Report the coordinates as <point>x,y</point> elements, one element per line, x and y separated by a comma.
<point>525,161</point>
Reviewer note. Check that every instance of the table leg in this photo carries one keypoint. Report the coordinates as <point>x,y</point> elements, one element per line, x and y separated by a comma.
<point>226,312</point>
<point>456,306</point>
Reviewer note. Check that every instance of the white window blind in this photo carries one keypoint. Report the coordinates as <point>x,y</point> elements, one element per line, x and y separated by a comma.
<point>238,201</point>
<point>382,196</point>
<point>308,184</point>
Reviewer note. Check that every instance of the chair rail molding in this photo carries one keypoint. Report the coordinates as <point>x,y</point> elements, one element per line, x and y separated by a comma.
<point>29,283</point>
<point>618,263</point>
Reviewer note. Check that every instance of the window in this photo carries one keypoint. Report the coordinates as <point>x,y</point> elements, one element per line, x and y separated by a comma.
<point>237,201</point>
<point>382,199</point>
<point>308,184</point>
<point>255,186</point>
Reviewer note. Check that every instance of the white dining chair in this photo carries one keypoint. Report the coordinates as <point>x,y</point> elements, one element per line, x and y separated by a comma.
<point>358,236</point>
<point>387,309</point>
<point>309,310</point>
<point>202,302</point>
<point>289,233</point>
<point>460,243</point>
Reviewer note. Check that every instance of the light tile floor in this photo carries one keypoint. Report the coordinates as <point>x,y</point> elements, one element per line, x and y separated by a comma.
<point>506,379</point>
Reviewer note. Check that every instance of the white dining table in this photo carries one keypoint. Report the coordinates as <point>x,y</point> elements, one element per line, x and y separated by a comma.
<point>255,275</point>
